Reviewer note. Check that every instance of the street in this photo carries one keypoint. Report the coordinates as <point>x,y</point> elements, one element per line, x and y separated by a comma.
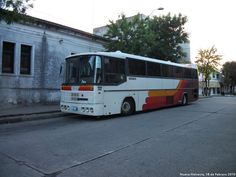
<point>194,140</point>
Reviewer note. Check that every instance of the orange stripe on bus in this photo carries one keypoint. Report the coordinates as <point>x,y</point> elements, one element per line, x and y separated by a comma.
<point>162,93</point>
<point>170,92</point>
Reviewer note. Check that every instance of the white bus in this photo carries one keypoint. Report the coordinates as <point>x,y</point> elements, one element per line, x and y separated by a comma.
<point>106,83</point>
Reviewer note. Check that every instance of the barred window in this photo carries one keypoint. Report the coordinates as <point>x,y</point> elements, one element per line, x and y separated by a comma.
<point>25,59</point>
<point>8,52</point>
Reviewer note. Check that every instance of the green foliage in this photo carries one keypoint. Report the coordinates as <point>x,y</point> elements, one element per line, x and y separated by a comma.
<point>128,36</point>
<point>158,37</point>
<point>229,74</point>
<point>169,33</point>
<point>207,62</point>
<point>11,10</point>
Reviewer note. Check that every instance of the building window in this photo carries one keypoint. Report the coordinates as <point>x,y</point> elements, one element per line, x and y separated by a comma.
<point>213,75</point>
<point>8,52</point>
<point>214,90</point>
<point>25,59</point>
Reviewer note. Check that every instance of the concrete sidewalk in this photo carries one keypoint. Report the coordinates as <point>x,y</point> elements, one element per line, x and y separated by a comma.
<point>16,113</point>
<point>29,109</point>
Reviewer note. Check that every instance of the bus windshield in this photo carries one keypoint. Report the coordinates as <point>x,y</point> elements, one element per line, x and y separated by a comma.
<point>85,69</point>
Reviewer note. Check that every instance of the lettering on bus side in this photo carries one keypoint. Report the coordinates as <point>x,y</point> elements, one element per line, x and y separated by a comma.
<point>132,78</point>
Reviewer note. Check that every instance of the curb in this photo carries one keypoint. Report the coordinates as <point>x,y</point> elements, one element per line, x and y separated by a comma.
<point>202,97</point>
<point>27,114</point>
<point>30,117</point>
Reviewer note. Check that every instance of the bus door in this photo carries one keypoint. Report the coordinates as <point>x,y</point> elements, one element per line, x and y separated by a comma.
<point>98,96</point>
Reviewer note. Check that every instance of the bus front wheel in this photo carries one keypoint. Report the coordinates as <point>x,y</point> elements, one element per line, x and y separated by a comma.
<point>127,107</point>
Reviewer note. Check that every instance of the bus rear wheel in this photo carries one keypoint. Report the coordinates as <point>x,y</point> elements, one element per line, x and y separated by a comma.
<point>184,100</point>
<point>127,107</point>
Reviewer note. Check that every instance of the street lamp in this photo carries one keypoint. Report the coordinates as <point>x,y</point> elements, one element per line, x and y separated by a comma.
<point>160,8</point>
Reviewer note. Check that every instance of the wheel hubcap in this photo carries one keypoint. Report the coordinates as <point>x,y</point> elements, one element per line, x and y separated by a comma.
<point>184,100</point>
<point>126,107</point>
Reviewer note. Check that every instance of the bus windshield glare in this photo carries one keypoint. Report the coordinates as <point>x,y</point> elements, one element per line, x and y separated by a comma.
<point>85,69</point>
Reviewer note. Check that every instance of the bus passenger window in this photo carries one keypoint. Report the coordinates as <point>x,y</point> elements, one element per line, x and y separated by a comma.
<point>114,70</point>
<point>153,69</point>
<point>165,70</point>
<point>137,67</point>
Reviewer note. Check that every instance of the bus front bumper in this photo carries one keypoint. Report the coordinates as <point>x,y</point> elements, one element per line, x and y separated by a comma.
<point>83,109</point>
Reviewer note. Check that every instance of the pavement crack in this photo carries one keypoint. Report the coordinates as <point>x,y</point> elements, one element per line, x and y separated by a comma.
<point>105,154</point>
<point>23,163</point>
<point>187,123</point>
<point>52,174</point>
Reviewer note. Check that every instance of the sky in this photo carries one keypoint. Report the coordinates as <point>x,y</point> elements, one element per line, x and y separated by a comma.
<point>210,22</point>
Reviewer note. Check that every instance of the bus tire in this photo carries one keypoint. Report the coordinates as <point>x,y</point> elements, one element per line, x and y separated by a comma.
<point>127,107</point>
<point>185,100</point>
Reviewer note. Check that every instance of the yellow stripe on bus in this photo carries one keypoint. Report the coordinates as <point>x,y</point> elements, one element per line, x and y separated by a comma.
<point>162,93</point>
<point>170,92</point>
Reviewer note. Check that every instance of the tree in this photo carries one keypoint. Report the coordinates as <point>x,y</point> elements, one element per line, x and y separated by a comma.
<point>11,10</point>
<point>169,34</point>
<point>207,62</point>
<point>129,36</point>
<point>229,75</point>
<point>158,37</point>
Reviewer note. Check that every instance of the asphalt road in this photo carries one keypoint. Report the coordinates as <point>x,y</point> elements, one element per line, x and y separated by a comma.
<point>194,140</point>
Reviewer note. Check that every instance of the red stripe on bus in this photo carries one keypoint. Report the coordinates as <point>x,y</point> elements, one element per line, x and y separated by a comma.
<point>158,99</point>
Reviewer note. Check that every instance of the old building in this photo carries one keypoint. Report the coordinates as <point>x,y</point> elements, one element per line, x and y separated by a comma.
<point>214,84</point>
<point>31,55</point>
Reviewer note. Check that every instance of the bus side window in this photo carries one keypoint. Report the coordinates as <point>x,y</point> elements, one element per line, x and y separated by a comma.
<point>136,67</point>
<point>114,70</point>
<point>153,69</point>
<point>164,70</point>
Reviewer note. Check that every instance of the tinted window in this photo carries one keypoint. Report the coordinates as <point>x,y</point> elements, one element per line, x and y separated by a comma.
<point>187,73</point>
<point>170,71</point>
<point>178,72</point>
<point>165,70</point>
<point>194,74</point>
<point>8,52</point>
<point>153,69</point>
<point>114,70</point>
<point>25,61</point>
<point>136,67</point>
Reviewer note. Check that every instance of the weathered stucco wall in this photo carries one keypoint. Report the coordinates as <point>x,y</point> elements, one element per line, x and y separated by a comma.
<point>49,48</point>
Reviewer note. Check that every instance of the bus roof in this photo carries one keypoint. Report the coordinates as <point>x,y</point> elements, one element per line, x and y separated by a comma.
<point>122,55</point>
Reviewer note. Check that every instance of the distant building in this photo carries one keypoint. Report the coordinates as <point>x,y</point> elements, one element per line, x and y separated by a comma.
<point>31,54</point>
<point>102,30</point>
<point>214,84</point>
<point>186,49</point>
